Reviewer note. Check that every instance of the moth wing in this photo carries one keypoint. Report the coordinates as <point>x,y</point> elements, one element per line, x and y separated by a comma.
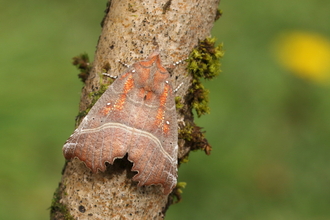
<point>97,139</point>
<point>155,148</point>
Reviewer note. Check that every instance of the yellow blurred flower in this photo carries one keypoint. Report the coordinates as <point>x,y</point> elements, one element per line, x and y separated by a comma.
<point>305,54</point>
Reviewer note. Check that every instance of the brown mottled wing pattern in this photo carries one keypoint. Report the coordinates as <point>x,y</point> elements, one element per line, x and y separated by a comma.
<point>135,115</point>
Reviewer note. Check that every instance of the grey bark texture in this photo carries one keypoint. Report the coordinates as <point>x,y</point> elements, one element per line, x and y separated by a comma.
<point>131,30</point>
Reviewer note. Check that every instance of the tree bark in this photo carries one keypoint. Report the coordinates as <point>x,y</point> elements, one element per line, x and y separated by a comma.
<point>130,32</point>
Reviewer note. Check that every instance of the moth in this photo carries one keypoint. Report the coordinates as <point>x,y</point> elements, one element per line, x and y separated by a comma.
<point>137,116</point>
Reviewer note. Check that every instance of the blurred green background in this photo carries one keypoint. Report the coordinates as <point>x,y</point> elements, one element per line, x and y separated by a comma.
<point>269,124</point>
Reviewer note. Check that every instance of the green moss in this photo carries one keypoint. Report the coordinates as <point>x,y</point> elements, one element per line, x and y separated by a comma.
<point>218,14</point>
<point>178,103</point>
<point>97,94</point>
<point>199,98</point>
<point>82,63</point>
<point>184,160</point>
<point>181,185</point>
<point>178,191</point>
<point>194,138</point>
<point>203,63</point>
<point>186,132</point>
<point>57,208</point>
<point>94,96</point>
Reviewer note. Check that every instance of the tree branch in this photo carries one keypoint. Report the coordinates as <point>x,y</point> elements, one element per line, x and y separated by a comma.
<point>129,33</point>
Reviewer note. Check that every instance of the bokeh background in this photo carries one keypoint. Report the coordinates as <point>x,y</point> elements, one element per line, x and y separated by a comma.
<point>269,124</point>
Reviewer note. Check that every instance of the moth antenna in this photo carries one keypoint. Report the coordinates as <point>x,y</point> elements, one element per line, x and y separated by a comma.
<point>173,65</point>
<point>177,88</point>
<point>179,62</point>
<point>115,77</point>
<point>108,75</point>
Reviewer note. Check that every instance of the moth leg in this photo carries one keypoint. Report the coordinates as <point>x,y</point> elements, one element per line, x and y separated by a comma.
<point>177,88</point>
<point>124,64</point>
<point>109,75</point>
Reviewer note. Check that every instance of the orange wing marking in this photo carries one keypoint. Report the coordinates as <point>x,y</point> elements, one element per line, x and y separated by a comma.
<point>122,98</point>
<point>104,111</point>
<point>160,113</point>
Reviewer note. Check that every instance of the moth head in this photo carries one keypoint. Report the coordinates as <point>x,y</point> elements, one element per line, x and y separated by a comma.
<point>150,74</point>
